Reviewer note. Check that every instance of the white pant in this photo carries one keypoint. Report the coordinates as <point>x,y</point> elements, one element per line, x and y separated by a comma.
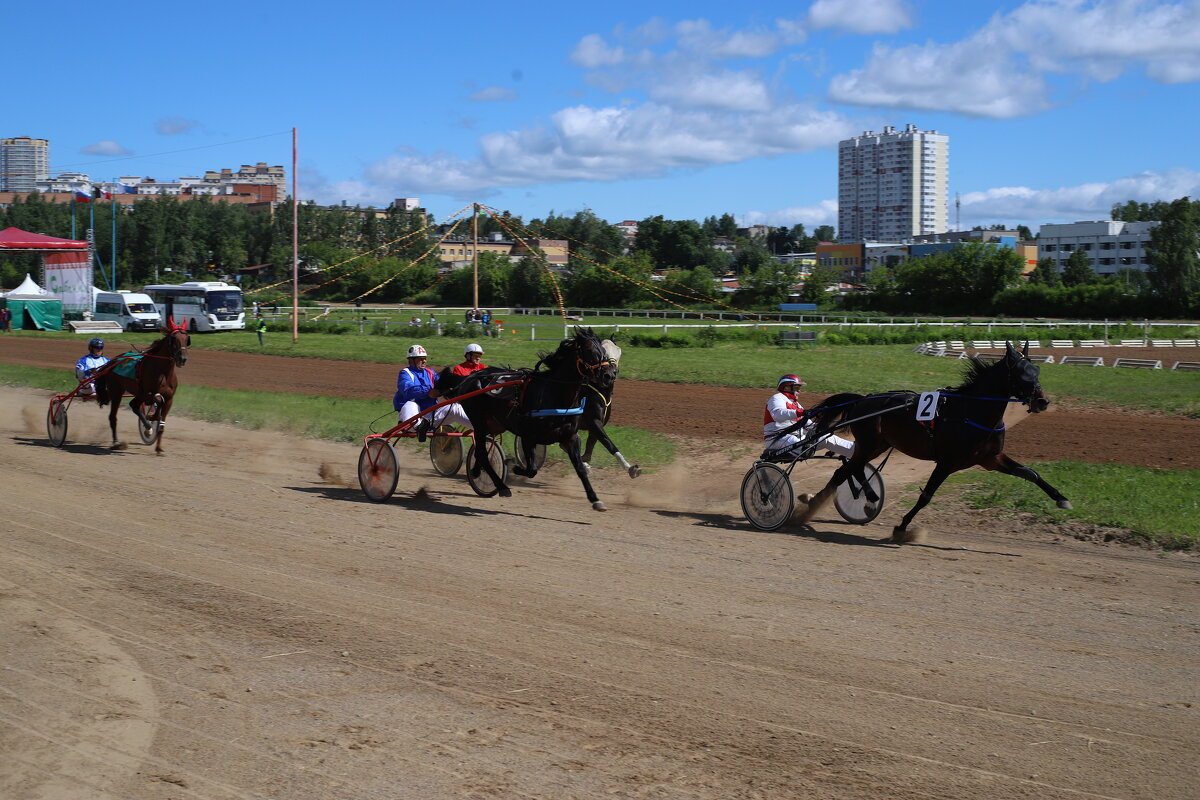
<point>836,444</point>
<point>452,414</point>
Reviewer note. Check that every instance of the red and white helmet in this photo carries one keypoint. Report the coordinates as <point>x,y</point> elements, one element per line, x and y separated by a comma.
<point>416,351</point>
<point>786,379</point>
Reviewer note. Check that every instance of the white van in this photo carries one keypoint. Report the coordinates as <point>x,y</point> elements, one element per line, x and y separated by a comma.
<point>132,310</point>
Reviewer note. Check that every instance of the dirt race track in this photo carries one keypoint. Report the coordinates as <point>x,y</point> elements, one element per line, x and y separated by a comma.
<point>235,620</point>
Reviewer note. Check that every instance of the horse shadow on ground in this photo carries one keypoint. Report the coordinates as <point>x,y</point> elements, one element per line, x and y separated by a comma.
<point>425,500</point>
<point>71,447</point>
<point>730,522</point>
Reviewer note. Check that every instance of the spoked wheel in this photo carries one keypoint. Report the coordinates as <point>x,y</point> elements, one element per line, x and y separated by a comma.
<point>378,469</point>
<point>539,454</point>
<point>446,454</point>
<point>482,483</point>
<point>56,422</point>
<point>768,498</point>
<point>149,423</point>
<point>851,501</point>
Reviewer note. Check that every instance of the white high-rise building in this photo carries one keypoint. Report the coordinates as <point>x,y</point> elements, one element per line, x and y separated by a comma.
<point>893,185</point>
<point>23,162</point>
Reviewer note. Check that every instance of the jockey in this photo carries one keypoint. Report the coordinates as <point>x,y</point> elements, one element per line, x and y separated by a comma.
<point>782,411</point>
<point>415,393</point>
<point>89,365</point>
<point>474,361</point>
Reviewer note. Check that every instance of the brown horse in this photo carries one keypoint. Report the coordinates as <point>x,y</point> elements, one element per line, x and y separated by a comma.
<point>967,430</point>
<point>153,388</point>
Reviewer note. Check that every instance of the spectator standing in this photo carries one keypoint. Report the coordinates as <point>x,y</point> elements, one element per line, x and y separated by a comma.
<point>5,320</point>
<point>260,328</point>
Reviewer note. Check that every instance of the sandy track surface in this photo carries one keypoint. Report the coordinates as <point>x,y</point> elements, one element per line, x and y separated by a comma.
<point>234,620</point>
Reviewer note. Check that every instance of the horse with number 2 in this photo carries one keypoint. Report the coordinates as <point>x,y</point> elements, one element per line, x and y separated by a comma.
<point>542,405</point>
<point>955,428</point>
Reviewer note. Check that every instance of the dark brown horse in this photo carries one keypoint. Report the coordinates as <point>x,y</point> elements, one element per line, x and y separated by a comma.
<point>967,429</point>
<point>154,384</point>
<point>543,409</point>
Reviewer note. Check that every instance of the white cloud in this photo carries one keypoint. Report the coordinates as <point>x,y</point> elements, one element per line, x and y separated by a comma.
<point>860,16</point>
<point>1087,201</point>
<point>170,126</point>
<point>494,94</point>
<point>612,143</point>
<point>734,91</point>
<point>824,213</point>
<point>698,36</point>
<point>593,52</point>
<point>969,77</point>
<point>1102,39</point>
<point>105,147</point>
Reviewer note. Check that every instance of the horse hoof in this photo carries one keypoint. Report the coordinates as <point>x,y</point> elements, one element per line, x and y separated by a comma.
<point>910,536</point>
<point>599,506</point>
<point>805,498</point>
<point>119,446</point>
<point>1065,504</point>
<point>634,471</point>
<point>505,491</point>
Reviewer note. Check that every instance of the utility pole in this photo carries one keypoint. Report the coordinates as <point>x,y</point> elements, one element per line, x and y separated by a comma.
<point>475,252</point>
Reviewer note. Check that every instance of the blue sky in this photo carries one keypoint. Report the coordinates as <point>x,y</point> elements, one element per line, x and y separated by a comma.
<point>1056,109</point>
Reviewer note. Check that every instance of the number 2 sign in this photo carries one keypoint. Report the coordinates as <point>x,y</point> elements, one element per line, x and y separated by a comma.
<point>927,406</point>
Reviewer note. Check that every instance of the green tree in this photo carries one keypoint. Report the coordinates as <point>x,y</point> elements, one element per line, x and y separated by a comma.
<point>824,233</point>
<point>1045,273</point>
<point>1078,270</point>
<point>821,278</point>
<point>1024,234</point>
<point>1173,250</point>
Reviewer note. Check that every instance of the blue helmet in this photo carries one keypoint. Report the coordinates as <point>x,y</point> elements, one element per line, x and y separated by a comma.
<point>96,343</point>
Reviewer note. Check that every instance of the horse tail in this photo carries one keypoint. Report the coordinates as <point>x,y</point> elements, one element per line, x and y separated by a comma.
<point>100,384</point>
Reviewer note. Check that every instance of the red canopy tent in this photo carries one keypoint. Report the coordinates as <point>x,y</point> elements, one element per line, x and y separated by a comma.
<point>66,265</point>
<point>17,239</point>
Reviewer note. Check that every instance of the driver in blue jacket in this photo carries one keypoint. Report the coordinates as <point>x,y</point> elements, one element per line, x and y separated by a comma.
<point>89,365</point>
<point>415,393</point>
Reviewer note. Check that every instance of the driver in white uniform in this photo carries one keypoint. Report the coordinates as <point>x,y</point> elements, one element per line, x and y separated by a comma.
<point>782,411</point>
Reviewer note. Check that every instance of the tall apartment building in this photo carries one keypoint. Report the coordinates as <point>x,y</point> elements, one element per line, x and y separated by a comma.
<point>892,185</point>
<point>23,162</point>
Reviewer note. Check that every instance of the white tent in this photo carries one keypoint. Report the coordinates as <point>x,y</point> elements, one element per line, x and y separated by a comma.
<point>28,288</point>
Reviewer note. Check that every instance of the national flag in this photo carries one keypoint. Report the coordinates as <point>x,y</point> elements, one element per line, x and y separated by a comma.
<point>124,188</point>
<point>98,191</point>
<point>82,196</point>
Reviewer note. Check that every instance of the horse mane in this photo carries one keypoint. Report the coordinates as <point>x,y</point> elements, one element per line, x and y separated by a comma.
<point>976,372</point>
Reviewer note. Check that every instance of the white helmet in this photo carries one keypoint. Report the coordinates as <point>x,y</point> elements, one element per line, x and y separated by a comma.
<point>416,351</point>
<point>473,348</point>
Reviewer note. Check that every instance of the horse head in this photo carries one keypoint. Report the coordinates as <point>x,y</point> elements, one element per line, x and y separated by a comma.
<point>1023,378</point>
<point>591,360</point>
<point>607,375</point>
<point>178,341</point>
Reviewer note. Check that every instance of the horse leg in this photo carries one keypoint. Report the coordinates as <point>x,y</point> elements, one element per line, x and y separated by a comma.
<point>482,462</point>
<point>822,497</point>
<point>1002,463</point>
<point>571,445</point>
<point>596,432</point>
<point>164,405</point>
<point>114,404</point>
<point>900,533</point>
<point>530,460</point>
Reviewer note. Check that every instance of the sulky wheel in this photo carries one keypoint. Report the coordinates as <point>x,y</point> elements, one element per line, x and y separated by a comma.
<point>378,469</point>
<point>482,483</point>
<point>56,422</point>
<point>446,454</point>
<point>767,496</point>
<point>851,501</point>
<point>539,454</point>
<point>150,423</point>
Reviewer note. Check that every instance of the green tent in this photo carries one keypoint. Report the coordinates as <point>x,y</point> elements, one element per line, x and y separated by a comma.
<point>32,309</point>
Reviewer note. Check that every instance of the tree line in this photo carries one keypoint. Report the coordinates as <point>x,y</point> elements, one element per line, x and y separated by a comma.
<point>390,255</point>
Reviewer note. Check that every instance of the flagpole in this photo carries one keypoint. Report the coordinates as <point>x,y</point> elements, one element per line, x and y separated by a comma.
<point>295,250</point>
<point>112,199</point>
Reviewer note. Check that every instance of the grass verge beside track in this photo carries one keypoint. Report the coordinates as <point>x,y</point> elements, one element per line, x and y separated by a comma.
<point>1161,508</point>
<point>828,369</point>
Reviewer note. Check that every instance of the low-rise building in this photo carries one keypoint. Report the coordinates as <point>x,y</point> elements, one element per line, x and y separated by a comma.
<point>1110,245</point>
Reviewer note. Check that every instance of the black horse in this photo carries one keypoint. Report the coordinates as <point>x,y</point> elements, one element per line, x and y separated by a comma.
<point>967,430</point>
<point>542,409</point>
<point>598,410</point>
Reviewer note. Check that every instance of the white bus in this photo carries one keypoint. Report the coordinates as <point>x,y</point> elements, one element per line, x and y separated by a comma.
<point>201,305</point>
